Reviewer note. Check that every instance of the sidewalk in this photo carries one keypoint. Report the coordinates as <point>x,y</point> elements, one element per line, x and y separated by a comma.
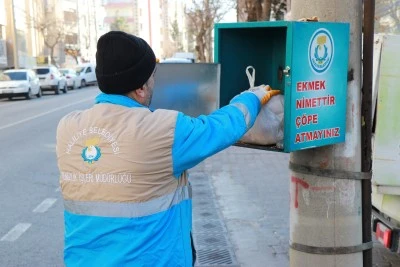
<point>241,211</point>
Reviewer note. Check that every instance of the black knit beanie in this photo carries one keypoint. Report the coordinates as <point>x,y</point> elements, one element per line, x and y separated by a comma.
<point>124,62</point>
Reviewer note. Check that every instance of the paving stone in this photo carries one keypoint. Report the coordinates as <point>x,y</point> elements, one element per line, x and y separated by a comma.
<point>250,194</point>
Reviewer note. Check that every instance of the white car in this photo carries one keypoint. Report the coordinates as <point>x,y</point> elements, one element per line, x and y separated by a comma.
<point>51,79</point>
<point>21,82</point>
<point>176,60</point>
<point>87,74</point>
<point>73,80</point>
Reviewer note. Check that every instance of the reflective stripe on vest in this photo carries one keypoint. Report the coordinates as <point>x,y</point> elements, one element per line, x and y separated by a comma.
<point>129,210</point>
<point>245,111</point>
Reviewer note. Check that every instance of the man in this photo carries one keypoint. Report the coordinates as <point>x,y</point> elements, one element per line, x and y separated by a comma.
<point>123,167</point>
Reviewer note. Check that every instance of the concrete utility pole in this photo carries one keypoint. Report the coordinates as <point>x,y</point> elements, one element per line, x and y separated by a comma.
<point>326,225</point>
<point>13,31</point>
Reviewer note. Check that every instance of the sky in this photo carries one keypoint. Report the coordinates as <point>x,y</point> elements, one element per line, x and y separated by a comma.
<point>230,16</point>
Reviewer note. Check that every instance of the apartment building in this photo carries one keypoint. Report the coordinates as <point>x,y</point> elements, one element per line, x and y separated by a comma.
<point>3,48</point>
<point>162,23</point>
<point>81,27</point>
<point>122,15</point>
<point>91,17</point>
<point>22,41</point>
<point>152,20</point>
<point>69,47</point>
<point>30,28</point>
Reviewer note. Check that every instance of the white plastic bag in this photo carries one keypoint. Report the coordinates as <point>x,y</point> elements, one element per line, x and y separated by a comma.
<point>268,127</point>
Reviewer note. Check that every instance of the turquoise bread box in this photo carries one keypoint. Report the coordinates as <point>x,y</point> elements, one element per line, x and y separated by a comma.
<point>307,61</point>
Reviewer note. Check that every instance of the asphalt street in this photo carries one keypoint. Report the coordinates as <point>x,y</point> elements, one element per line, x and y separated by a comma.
<point>31,225</point>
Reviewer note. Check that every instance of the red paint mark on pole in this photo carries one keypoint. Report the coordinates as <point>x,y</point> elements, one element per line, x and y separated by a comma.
<point>322,188</point>
<point>303,183</point>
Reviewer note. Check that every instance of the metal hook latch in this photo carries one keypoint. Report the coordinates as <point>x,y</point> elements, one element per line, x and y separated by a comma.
<point>286,71</point>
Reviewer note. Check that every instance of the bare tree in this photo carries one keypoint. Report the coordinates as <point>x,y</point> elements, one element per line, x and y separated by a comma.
<point>74,52</point>
<point>387,14</point>
<point>279,9</point>
<point>119,24</point>
<point>202,14</point>
<point>176,35</point>
<point>260,10</point>
<point>53,31</point>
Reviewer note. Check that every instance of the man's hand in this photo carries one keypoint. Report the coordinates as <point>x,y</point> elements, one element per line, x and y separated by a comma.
<point>264,93</point>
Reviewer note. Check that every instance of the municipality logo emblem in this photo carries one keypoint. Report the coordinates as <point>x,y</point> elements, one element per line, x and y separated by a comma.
<point>320,51</point>
<point>91,152</point>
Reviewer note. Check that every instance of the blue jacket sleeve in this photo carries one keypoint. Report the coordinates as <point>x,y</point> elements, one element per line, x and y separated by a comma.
<point>198,138</point>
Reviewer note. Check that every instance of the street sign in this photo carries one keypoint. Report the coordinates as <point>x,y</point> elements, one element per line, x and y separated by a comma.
<point>319,85</point>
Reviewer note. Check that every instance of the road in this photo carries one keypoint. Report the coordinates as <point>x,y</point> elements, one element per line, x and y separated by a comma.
<point>31,225</point>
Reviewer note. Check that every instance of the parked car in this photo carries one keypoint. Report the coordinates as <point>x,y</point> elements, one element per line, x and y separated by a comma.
<point>51,79</point>
<point>176,60</point>
<point>185,55</point>
<point>86,73</point>
<point>21,82</point>
<point>73,80</point>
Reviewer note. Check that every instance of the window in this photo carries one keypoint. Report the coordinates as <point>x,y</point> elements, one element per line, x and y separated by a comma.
<point>15,76</point>
<point>89,69</point>
<point>42,71</point>
<point>79,70</point>
<point>71,38</point>
<point>70,16</point>
<point>65,72</point>
<point>4,77</point>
